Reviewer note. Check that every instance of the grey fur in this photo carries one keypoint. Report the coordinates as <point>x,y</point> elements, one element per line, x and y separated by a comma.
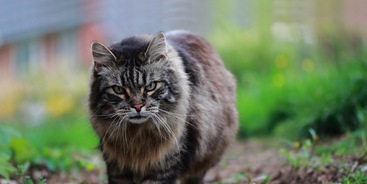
<point>191,115</point>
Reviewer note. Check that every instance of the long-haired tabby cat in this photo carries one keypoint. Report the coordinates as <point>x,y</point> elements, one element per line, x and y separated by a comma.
<point>164,107</point>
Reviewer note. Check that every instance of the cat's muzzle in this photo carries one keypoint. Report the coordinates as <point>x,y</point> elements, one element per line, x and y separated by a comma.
<point>138,117</point>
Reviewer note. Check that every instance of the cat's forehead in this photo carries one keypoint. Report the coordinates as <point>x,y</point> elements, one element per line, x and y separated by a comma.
<point>132,66</point>
<point>131,48</point>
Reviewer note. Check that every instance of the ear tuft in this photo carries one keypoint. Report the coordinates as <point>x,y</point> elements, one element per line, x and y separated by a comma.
<point>157,48</point>
<point>102,56</point>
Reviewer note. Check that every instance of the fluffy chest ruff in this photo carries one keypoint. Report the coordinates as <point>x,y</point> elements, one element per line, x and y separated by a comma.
<point>141,148</point>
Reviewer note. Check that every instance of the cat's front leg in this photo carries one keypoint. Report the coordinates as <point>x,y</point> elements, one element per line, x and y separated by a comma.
<point>161,182</point>
<point>167,176</point>
<point>193,180</point>
<point>116,176</point>
<point>119,179</point>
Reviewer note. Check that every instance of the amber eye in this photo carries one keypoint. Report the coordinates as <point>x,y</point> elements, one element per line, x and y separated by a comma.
<point>151,86</point>
<point>118,89</point>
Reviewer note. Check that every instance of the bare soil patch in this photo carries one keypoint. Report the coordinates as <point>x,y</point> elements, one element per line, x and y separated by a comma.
<point>245,162</point>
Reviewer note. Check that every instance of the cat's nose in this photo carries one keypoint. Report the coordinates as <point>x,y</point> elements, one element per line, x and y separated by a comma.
<point>138,107</point>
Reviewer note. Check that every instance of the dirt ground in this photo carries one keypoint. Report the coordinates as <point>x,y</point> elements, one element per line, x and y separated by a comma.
<point>257,161</point>
<point>246,162</point>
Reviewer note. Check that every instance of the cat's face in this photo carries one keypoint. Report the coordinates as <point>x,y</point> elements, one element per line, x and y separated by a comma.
<point>134,80</point>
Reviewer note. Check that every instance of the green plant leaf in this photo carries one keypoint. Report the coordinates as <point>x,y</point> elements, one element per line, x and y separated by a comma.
<point>22,149</point>
<point>6,168</point>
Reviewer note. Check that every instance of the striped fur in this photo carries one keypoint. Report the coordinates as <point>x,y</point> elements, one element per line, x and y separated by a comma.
<point>163,106</point>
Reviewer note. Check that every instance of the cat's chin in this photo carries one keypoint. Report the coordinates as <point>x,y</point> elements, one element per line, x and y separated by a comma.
<point>139,120</point>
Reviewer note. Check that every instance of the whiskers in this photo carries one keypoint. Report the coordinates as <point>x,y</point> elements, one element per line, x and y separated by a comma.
<point>163,125</point>
<point>179,117</point>
<point>159,122</point>
<point>116,127</point>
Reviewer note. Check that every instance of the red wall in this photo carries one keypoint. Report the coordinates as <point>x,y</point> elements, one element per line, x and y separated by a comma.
<point>6,58</point>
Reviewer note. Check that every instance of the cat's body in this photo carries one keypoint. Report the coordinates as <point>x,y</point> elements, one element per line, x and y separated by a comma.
<point>173,111</point>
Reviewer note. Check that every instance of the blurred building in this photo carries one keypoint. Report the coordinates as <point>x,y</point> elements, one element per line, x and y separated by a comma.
<point>313,17</point>
<point>121,18</point>
<point>38,34</point>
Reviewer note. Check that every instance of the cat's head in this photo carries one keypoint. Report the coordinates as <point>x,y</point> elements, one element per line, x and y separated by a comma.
<point>134,80</point>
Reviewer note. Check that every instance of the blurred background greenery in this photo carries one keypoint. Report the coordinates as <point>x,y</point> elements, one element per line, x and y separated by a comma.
<point>298,64</point>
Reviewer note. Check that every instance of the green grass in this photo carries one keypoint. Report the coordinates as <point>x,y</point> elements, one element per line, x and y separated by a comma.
<point>302,101</point>
<point>74,131</point>
<point>58,143</point>
<point>316,155</point>
<point>355,178</point>
<point>286,87</point>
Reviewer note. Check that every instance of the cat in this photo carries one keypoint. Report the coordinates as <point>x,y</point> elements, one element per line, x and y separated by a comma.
<point>164,107</point>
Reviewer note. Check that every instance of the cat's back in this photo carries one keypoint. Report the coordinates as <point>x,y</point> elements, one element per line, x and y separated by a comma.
<point>193,48</point>
<point>202,63</point>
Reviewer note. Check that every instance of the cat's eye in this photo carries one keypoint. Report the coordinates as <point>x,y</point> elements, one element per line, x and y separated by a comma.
<point>151,86</point>
<point>118,89</point>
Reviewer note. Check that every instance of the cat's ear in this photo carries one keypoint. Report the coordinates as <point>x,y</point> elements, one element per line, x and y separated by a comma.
<point>102,56</point>
<point>157,48</point>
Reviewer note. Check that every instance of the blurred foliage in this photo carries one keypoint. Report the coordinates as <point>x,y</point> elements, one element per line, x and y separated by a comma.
<point>330,105</point>
<point>276,88</point>
<point>9,98</point>
<point>288,83</point>
<point>311,154</point>
<point>40,94</point>
<point>304,157</point>
<point>6,135</point>
<point>47,124</point>
<point>56,146</point>
<point>355,178</point>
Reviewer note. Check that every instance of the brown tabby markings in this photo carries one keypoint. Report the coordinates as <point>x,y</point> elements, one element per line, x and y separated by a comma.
<point>196,101</point>
<point>148,154</point>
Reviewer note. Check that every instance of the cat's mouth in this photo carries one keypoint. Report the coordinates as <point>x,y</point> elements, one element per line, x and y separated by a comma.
<point>138,119</point>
